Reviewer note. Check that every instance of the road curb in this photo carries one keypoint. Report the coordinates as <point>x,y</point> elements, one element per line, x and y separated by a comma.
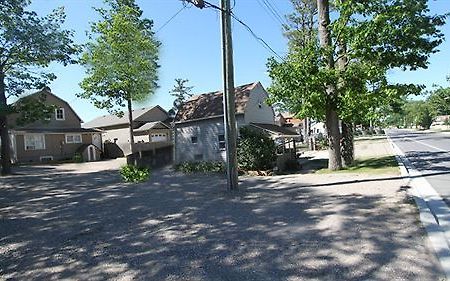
<point>433,212</point>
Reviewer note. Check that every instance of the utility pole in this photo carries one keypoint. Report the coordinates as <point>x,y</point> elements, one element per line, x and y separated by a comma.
<point>229,97</point>
<point>229,110</point>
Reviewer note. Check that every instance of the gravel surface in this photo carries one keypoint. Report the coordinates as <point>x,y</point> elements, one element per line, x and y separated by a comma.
<point>56,224</point>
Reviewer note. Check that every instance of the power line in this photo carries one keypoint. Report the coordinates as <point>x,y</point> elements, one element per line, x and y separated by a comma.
<point>272,13</point>
<point>169,20</point>
<point>258,39</point>
<point>267,11</point>
<point>275,10</point>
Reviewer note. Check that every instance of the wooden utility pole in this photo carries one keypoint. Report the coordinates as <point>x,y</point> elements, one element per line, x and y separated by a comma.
<point>229,108</point>
<point>229,97</point>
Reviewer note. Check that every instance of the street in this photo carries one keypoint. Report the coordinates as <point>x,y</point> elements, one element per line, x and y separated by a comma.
<point>430,154</point>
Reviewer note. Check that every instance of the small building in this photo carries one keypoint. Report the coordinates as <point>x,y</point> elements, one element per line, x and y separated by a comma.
<point>150,125</point>
<point>198,125</point>
<point>58,138</point>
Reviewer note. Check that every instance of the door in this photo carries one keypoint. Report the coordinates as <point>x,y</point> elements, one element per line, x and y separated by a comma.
<point>159,137</point>
<point>91,153</point>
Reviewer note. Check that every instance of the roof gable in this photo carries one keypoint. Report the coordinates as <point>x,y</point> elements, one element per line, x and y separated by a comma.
<point>211,104</point>
<point>139,115</point>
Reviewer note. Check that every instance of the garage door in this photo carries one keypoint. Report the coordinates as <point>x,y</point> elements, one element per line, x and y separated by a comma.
<point>159,137</point>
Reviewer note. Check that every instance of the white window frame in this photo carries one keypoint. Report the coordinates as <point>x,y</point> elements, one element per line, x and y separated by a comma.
<point>73,138</point>
<point>224,142</point>
<point>63,114</point>
<point>27,147</point>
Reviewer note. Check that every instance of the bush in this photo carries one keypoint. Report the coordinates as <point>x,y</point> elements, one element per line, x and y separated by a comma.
<point>77,158</point>
<point>256,151</point>
<point>201,167</point>
<point>131,173</point>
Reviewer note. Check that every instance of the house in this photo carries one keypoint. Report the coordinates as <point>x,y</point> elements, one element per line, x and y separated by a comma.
<point>198,125</point>
<point>150,125</point>
<point>58,138</point>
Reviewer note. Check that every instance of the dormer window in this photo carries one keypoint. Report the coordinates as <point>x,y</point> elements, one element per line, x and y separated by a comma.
<point>59,114</point>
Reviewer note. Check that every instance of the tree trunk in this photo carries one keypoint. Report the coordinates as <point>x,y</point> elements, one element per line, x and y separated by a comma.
<point>130,124</point>
<point>347,143</point>
<point>331,121</point>
<point>4,136</point>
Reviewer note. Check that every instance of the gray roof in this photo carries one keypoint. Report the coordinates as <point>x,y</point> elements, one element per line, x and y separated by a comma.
<point>151,125</point>
<point>57,130</point>
<point>113,120</point>
<point>275,129</point>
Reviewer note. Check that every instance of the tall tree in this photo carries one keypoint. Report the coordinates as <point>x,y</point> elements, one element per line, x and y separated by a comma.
<point>439,100</point>
<point>347,72</point>
<point>27,42</point>
<point>122,61</point>
<point>181,92</point>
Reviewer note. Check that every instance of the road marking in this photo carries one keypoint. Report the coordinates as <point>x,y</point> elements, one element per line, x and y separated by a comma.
<point>429,145</point>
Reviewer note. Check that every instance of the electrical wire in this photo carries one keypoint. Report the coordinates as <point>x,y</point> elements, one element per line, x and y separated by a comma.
<point>171,18</point>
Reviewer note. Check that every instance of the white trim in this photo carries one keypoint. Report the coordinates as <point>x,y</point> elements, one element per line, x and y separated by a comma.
<point>89,153</point>
<point>73,138</point>
<point>34,135</point>
<point>63,114</point>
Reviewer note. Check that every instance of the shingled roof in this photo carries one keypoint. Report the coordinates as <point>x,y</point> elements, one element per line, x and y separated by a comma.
<point>211,104</point>
<point>113,120</point>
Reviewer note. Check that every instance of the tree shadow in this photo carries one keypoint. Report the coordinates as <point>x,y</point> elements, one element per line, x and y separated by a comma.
<point>177,227</point>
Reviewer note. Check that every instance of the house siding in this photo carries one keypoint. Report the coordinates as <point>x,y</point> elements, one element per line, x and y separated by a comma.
<point>55,146</point>
<point>71,120</point>
<point>257,111</point>
<point>207,145</point>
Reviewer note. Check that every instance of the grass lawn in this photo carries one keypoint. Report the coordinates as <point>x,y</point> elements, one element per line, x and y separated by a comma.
<point>376,165</point>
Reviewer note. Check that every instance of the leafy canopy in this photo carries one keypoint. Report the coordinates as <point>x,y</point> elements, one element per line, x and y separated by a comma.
<point>28,44</point>
<point>368,38</point>
<point>122,61</point>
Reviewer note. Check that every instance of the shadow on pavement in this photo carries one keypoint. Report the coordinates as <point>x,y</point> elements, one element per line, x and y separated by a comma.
<point>176,227</point>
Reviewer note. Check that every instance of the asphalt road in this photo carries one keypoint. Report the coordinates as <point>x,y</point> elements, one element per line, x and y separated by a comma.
<point>430,154</point>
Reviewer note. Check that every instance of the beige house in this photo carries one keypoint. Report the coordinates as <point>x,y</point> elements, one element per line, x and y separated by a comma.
<point>199,131</point>
<point>150,126</point>
<point>58,138</point>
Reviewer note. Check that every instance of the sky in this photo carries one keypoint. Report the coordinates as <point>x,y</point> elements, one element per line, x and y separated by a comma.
<point>191,47</point>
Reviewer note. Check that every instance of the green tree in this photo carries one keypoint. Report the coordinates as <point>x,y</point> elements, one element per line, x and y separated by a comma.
<point>439,100</point>
<point>29,43</point>
<point>256,150</point>
<point>122,61</point>
<point>345,75</point>
<point>181,92</point>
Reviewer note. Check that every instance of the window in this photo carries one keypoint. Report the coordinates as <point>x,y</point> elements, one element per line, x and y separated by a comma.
<point>73,139</point>
<point>221,139</point>
<point>34,142</point>
<point>59,114</point>
<point>194,139</point>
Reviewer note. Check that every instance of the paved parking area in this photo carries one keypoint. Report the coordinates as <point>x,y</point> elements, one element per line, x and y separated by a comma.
<point>57,224</point>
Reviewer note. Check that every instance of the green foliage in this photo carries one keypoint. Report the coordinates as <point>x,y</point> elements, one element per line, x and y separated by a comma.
<point>256,151</point>
<point>122,61</point>
<point>131,173</point>
<point>29,43</point>
<point>77,158</point>
<point>439,101</point>
<point>181,92</point>
<point>201,167</point>
<point>21,62</point>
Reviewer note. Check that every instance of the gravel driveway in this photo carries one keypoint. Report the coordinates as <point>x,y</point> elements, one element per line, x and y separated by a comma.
<point>59,225</point>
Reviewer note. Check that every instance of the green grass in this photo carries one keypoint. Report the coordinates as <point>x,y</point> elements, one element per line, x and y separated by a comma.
<point>379,165</point>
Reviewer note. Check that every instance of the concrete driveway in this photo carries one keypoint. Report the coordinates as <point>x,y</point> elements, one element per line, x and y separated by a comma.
<point>56,224</point>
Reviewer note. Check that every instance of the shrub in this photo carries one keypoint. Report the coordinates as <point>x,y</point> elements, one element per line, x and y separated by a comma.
<point>256,151</point>
<point>131,173</point>
<point>77,158</point>
<point>200,167</point>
